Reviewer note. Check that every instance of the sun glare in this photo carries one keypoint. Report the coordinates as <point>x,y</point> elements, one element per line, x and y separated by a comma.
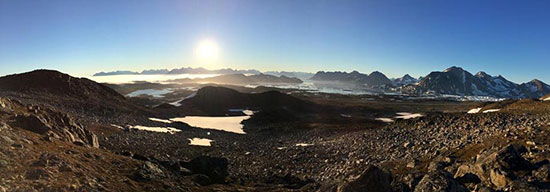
<point>207,49</point>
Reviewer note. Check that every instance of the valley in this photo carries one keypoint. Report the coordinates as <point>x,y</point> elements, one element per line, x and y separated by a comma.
<point>62,133</point>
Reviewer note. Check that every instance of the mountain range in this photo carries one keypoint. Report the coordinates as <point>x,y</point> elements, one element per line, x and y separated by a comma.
<point>457,81</point>
<point>405,80</point>
<point>183,70</point>
<point>241,79</point>
<point>452,81</point>
<point>374,79</point>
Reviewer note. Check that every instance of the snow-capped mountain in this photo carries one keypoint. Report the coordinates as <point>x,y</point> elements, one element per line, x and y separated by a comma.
<point>405,80</point>
<point>457,81</point>
<point>374,79</point>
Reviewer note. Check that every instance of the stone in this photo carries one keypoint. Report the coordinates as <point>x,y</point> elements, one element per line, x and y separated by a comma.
<point>92,139</point>
<point>439,181</point>
<point>213,167</point>
<point>202,179</point>
<point>37,174</point>
<point>372,179</point>
<point>543,173</point>
<point>498,178</point>
<point>149,171</point>
<point>32,123</point>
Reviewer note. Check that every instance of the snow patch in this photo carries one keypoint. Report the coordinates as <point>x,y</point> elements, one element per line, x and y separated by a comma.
<point>491,110</point>
<point>176,103</point>
<point>155,129</point>
<point>547,99</point>
<point>476,110</point>
<point>346,115</point>
<point>385,120</point>
<point>405,115</point>
<point>200,142</point>
<point>245,111</point>
<point>160,120</point>
<point>303,144</point>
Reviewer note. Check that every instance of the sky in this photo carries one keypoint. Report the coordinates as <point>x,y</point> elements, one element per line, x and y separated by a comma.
<point>510,38</point>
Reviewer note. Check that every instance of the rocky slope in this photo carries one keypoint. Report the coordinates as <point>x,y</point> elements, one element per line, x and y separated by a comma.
<point>207,100</point>
<point>79,96</point>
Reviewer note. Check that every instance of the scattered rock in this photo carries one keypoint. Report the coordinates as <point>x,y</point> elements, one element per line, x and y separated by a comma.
<point>36,174</point>
<point>213,167</point>
<point>439,181</point>
<point>149,171</point>
<point>372,179</point>
<point>543,173</point>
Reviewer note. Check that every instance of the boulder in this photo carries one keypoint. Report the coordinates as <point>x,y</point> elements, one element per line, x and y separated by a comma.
<point>372,179</point>
<point>439,181</point>
<point>543,173</point>
<point>213,167</point>
<point>32,123</point>
<point>149,171</point>
<point>495,167</point>
<point>37,174</point>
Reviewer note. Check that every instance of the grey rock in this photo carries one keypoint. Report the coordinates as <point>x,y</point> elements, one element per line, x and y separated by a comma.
<point>372,179</point>
<point>439,181</point>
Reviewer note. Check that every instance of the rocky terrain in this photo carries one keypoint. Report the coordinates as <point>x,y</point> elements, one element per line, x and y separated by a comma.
<point>72,134</point>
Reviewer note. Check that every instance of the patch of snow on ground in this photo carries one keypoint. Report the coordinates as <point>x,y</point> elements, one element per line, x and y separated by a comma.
<point>117,126</point>
<point>281,148</point>
<point>346,115</point>
<point>151,92</point>
<point>491,110</point>
<point>176,103</point>
<point>303,144</point>
<point>476,110</point>
<point>248,112</point>
<point>156,129</point>
<point>385,120</point>
<point>404,115</point>
<point>200,142</point>
<point>160,120</point>
<point>190,96</point>
<point>547,99</point>
<point>245,111</point>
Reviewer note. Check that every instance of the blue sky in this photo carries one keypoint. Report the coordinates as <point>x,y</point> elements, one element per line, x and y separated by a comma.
<point>511,38</point>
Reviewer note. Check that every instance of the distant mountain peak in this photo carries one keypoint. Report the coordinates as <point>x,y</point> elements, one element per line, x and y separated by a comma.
<point>482,74</point>
<point>457,81</point>
<point>453,68</point>
<point>374,79</point>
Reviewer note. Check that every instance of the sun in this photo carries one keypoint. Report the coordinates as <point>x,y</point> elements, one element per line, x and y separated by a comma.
<point>207,50</point>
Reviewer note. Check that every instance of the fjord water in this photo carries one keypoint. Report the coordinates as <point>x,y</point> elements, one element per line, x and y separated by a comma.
<point>121,79</point>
